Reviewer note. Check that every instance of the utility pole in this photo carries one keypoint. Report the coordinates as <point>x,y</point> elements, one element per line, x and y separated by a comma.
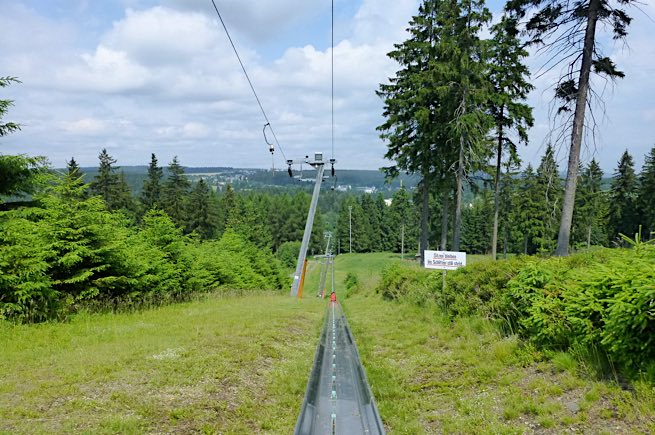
<point>350,230</point>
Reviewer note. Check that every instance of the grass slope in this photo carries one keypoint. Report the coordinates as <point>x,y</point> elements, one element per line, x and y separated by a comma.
<point>239,364</point>
<point>430,375</point>
<point>221,365</point>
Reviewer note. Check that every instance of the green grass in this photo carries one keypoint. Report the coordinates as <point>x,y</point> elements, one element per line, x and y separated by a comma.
<point>220,365</point>
<point>431,375</point>
<point>240,364</point>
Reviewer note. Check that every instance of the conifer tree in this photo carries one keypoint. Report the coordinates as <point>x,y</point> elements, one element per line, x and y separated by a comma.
<point>568,29</point>
<point>73,168</point>
<point>646,202</point>
<point>201,213</point>
<point>527,210</point>
<point>19,174</point>
<point>623,217</point>
<point>403,220</point>
<point>508,76</point>
<point>549,189</point>
<point>372,224</point>
<point>111,187</point>
<point>590,214</point>
<point>174,193</point>
<point>151,193</point>
<point>415,123</point>
<point>104,184</point>
<point>7,127</point>
<point>465,92</point>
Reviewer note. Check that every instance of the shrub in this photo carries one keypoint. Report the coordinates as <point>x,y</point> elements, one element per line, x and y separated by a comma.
<point>288,252</point>
<point>602,300</point>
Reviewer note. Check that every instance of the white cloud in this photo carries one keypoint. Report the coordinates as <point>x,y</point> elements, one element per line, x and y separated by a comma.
<point>83,126</point>
<point>106,70</point>
<point>162,36</point>
<point>164,79</point>
<point>195,130</point>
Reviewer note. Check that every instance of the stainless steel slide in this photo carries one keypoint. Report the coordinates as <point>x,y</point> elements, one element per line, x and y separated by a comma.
<point>338,398</point>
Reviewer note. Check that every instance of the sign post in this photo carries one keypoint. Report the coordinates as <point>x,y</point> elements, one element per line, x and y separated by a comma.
<point>444,260</point>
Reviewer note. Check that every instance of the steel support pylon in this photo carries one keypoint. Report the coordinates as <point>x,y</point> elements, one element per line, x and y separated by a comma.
<point>320,168</point>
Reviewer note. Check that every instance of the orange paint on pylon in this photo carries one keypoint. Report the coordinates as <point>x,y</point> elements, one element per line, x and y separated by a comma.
<point>302,279</point>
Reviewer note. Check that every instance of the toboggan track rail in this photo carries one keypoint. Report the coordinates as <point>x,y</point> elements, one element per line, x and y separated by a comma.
<point>338,398</point>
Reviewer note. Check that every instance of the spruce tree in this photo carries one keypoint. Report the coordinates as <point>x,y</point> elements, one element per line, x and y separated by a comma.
<point>403,220</point>
<point>623,217</point>
<point>7,127</point>
<point>568,30</point>
<point>590,214</point>
<point>175,192</point>
<point>527,212</point>
<point>509,80</point>
<point>73,168</point>
<point>201,213</point>
<point>549,188</point>
<point>151,193</point>
<point>19,174</point>
<point>646,202</point>
<point>111,187</point>
<point>415,123</point>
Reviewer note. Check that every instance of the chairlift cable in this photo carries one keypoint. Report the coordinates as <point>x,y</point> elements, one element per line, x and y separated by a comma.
<point>332,78</point>
<point>261,107</point>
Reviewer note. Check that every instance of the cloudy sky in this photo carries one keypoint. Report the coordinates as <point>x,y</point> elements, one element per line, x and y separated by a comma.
<point>142,76</point>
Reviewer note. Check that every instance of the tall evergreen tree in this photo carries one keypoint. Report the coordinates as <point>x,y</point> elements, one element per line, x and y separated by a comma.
<point>151,193</point>
<point>623,217</point>
<point>174,193</point>
<point>646,201</point>
<point>104,184</point>
<point>590,214</point>
<point>465,92</point>
<point>528,210</point>
<point>415,124</point>
<point>549,187</point>
<point>19,174</point>
<point>476,225</point>
<point>111,187</point>
<point>509,79</point>
<point>201,212</point>
<point>373,223</point>
<point>7,127</point>
<point>73,168</point>
<point>403,220</point>
<point>569,30</point>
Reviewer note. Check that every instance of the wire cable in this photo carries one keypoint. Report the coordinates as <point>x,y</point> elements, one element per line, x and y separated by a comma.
<point>332,71</point>
<point>248,78</point>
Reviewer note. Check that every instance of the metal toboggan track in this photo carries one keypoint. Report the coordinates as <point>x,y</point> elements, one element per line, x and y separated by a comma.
<point>338,398</point>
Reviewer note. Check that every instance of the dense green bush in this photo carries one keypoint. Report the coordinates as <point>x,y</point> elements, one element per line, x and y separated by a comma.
<point>604,299</point>
<point>70,251</point>
<point>288,253</point>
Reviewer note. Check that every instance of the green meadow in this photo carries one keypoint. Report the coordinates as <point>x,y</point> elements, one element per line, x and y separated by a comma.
<point>239,363</point>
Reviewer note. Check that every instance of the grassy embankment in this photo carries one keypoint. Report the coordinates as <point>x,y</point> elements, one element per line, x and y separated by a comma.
<point>233,364</point>
<point>239,364</point>
<point>433,375</point>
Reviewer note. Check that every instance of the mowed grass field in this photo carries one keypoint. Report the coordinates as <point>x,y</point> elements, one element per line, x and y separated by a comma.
<point>239,365</point>
<point>233,364</point>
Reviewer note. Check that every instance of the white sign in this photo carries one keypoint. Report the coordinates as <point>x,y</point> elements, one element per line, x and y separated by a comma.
<point>445,260</point>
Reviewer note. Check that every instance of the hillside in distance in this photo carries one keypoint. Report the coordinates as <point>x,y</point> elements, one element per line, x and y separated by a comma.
<point>363,180</point>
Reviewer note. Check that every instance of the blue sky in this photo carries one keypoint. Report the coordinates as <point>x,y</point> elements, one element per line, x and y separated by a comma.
<point>142,76</point>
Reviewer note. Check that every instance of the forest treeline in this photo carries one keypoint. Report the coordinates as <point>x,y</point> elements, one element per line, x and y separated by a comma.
<point>79,244</point>
<point>76,243</point>
<point>457,107</point>
<point>530,208</point>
